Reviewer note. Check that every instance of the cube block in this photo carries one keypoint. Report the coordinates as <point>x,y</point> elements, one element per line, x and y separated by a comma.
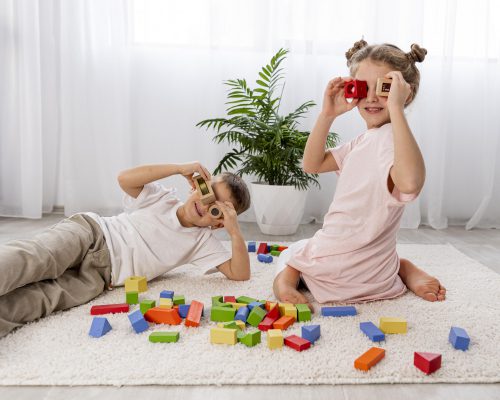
<point>146,305</point>
<point>311,332</point>
<point>303,312</point>
<point>132,297</point>
<point>167,294</point>
<point>138,322</point>
<point>251,247</point>
<point>256,316</point>
<point>274,338</point>
<point>136,284</point>
<point>458,338</point>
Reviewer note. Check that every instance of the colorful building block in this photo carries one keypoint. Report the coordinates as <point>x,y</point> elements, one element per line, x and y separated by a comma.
<point>193,317</point>
<point>229,299</point>
<point>338,311</point>
<point>274,313</point>
<point>136,284</point>
<point>274,338</point>
<point>262,248</point>
<point>138,322</point>
<point>427,362</point>
<point>392,325</point>
<point>146,305</point>
<point>167,294</point>
<point>256,316</point>
<point>282,307</point>
<point>222,314</point>
<point>303,312</point>
<point>458,338</point>
<point>270,305</point>
<point>164,337</point>
<point>266,324</point>
<point>228,325</point>
<point>223,336</point>
<point>109,309</point>
<point>183,310</point>
<point>369,358</point>
<point>166,302</point>
<point>282,248</point>
<point>370,330</point>
<point>274,247</point>
<point>311,332</point>
<point>250,339</point>
<point>160,315</point>
<point>275,253</point>
<point>265,258</point>
<point>245,299</point>
<point>256,304</point>
<point>283,322</point>
<point>132,297</point>
<point>297,343</point>
<point>241,325</point>
<point>100,326</point>
<point>291,311</point>
<point>355,89</point>
<point>179,299</point>
<point>237,305</point>
<point>242,314</point>
<point>251,247</point>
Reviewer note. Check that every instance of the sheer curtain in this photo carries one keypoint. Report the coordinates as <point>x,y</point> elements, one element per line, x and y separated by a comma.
<point>90,87</point>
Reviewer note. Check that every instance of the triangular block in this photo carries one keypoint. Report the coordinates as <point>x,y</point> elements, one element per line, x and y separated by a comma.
<point>100,326</point>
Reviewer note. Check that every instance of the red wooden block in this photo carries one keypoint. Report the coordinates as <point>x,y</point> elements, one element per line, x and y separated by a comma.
<point>355,89</point>
<point>284,322</point>
<point>109,309</point>
<point>193,316</point>
<point>282,248</point>
<point>297,343</point>
<point>427,362</point>
<point>266,324</point>
<point>229,299</point>
<point>262,248</point>
<point>160,315</point>
<point>274,313</point>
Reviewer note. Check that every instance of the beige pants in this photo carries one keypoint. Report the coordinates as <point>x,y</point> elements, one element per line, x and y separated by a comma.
<point>62,267</point>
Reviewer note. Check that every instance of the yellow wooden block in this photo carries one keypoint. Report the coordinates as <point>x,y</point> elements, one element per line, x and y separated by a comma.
<point>275,338</point>
<point>237,305</point>
<point>291,311</point>
<point>270,305</point>
<point>240,324</point>
<point>223,336</point>
<point>165,302</point>
<point>136,284</point>
<point>393,325</point>
<point>282,307</point>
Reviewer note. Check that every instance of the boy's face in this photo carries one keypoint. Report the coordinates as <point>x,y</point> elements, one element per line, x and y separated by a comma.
<point>373,109</point>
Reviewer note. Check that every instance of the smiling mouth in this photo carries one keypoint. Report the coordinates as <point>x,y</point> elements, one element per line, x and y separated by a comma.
<point>373,110</point>
<point>197,209</point>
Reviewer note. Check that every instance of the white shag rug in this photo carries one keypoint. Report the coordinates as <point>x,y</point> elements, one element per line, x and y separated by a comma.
<point>58,350</point>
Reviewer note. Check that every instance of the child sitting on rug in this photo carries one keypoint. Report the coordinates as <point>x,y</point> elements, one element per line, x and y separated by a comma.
<point>353,257</point>
<point>77,259</point>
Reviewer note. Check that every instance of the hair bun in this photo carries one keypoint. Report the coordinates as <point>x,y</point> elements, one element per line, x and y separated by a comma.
<point>357,46</point>
<point>417,53</point>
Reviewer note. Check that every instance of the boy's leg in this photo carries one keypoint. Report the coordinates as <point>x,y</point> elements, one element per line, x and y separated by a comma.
<point>421,283</point>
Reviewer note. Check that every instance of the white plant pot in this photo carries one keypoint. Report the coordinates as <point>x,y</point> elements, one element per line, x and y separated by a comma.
<point>278,209</point>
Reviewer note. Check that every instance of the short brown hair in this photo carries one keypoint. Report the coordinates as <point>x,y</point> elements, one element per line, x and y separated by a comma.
<point>237,187</point>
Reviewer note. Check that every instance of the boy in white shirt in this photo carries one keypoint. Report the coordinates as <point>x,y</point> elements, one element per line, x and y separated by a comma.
<point>74,261</point>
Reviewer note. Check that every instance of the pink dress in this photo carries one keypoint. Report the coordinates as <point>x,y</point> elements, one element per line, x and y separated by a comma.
<point>353,257</point>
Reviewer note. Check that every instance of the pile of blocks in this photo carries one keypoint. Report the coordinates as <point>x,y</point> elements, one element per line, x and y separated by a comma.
<point>265,252</point>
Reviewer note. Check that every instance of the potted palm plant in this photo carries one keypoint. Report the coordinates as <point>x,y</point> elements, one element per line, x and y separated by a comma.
<point>268,146</point>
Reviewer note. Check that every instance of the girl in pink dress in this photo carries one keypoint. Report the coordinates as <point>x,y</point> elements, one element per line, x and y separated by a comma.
<point>353,257</point>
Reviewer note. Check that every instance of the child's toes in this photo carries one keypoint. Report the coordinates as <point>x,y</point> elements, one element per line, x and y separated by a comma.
<point>429,296</point>
<point>441,294</point>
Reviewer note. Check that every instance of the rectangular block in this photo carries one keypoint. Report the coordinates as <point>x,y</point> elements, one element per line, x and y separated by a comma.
<point>164,337</point>
<point>109,309</point>
<point>338,311</point>
<point>167,294</point>
<point>458,338</point>
<point>179,299</point>
<point>193,317</point>
<point>242,314</point>
<point>369,358</point>
<point>370,330</point>
<point>229,299</point>
<point>266,324</point>
<point>251,247</point>
<point>222,314</point>
<point>274,338</point>
<point>245,300</point>
<point>290,311</point>
<point>160,315</point>
<point>284,322</point>
<point>223,336</point>
<point>297,343</point>
<point>392,325</point>
<point>166,302</point>
<point>183,310</point>
<point>137,284</point>
<point>256,316</point>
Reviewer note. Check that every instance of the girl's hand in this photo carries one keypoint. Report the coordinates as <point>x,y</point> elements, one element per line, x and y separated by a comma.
<point>334,101</point>
<point>188,170</point>
<point>230,218</point>
<point>400,91</point>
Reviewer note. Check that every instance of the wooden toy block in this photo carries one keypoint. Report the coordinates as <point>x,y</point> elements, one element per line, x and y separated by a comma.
<point>132,297</point>
<point>282,307</point>
<point>100,326</point>
<point>265,258</point>
<point>392,325</point>
<point>268,248</point>
<point>303,312</point>
<point>256,316</point>
<point>369,358</point>
<point>266,324</point>
<point>245,299</point>
<point>138,322</point>
<point>355,89</point>
<point>251,247</point>
<point>228,325</point>
<point>427,362</point>
<point>136,284</point>
<point>370,330</point>
<point>183,310</point>
<point>164,337</point>
<point>275,253</point>
<point>193,317</point>
<point>256,304</point>
<point>242,314</point>
<point>383,87</point>
<point>160,315</point>
<point>338,311</point>
<point>283,322</point>
<point>262,248</point>
<point>297,343</point>
<point>458,338</point>
<point>270,305</point>
<point>290,310</point>
<point>217,300</point>
<point>222,314</point>
<point>229,299</point>
<point>282,248</point>
<point>167,294</point>
<point>179,299</point>
<point>250,339</point>
<point>241,325</point>
<point>274,313</point>
<point>237,305</point>
<point>274,247</point>
<point>109,309</point>
<point>146,305</point>
<point>311,332</point>
<point>166,302</point>
<point>223,336</point>
<point>274,339</point>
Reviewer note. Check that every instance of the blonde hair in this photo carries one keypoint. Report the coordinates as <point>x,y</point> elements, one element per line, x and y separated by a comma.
<point>392,56</point>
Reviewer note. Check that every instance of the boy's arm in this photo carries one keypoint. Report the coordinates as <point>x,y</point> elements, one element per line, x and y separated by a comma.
<point>132,180</point>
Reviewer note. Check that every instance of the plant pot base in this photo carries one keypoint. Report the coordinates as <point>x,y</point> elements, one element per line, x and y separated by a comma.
<point>278,229</point>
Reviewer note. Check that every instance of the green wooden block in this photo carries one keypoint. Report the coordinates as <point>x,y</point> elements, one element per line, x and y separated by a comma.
<point>256,316</point>
<point>303,312</point>
<point>240,335</point>
<point>245,300</point>
<point>251,338</point>
<point>230,325</point>
<point>132,297</point>
<point>222,314</point>
<point>179,299</point>
<point>275,253</point>
<point>146,305</point>
<point>218,301</point>
<point>164,337</point>
<point>274,247</point>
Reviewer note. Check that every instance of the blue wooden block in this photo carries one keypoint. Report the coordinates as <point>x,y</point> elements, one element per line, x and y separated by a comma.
<point>242,314</point>
<point>100,326</point>
<point>183,310</point>
<point>370,330</point>
<point>255,304</point>
<point>311,332</point>
<point>138,322</point>
<point>251,247</point>
<point>338,311</point>
<point>265,258</point>
<point>167,294</point>
<point>459,338</point>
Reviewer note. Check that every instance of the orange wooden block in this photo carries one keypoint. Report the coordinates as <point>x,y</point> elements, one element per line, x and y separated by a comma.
<point>193,316</point>
<point>369,358</point>
<point>284,322</point>
<point>160,315</point>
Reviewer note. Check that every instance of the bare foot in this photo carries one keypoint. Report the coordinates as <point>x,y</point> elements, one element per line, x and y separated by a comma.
<point>285,287</point>
<point>421,283</point>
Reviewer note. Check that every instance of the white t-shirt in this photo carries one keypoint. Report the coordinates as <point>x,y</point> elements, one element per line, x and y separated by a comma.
<point>148,240</point>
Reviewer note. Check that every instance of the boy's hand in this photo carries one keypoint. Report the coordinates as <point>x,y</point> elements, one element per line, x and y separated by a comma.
<point>400,91</point>
<point>230,218</point>
<point>334,101</point>
<point>188,170</point>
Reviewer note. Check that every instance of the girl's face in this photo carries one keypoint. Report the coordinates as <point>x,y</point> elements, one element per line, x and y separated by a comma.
<point>373,109</point>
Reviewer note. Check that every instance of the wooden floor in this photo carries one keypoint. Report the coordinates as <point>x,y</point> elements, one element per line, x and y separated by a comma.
<point>482,245</point>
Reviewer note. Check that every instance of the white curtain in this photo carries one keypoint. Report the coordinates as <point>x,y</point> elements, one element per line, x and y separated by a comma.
<point>89,87</point>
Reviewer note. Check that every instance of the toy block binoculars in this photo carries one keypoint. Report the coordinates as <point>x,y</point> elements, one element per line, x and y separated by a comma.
<point>358,89</point>
<point>207,195</point>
